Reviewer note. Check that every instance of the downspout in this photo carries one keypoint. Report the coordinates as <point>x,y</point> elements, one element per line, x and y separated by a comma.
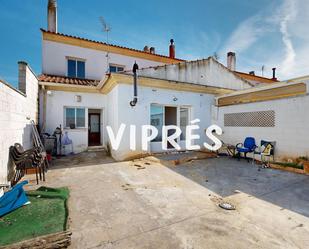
<point>134,101</point>
<point>44,109</point>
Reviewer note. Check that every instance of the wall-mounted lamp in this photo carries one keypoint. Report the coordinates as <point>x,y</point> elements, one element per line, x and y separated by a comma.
<point>175,99</point>
<point>78,98</point>
<point>49,93</point>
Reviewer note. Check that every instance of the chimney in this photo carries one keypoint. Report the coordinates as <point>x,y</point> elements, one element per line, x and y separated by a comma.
<point>252,73</point>
<point>146,49</point>
<point>152,50</point>
<point>172,49</point>
<point>231,61</point>
<point>274,74</point>
<point>22,71</point>
<point>52,16</point>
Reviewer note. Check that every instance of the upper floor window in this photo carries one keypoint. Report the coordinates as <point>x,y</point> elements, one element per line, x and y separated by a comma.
<point>76,68</point>
<point>115,68</point>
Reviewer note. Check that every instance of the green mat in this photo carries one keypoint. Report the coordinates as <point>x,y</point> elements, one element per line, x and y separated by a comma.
<point>46,214</point>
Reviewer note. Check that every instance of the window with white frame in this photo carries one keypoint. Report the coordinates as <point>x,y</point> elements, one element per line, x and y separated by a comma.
<point>115,68</point>
<point>76,68</point>
<point>74,117</point>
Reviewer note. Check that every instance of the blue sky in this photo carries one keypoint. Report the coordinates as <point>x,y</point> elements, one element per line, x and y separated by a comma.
<point>265,32</point>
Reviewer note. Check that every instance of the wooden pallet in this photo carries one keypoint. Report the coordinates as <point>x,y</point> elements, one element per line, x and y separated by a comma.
<point>50,241</point>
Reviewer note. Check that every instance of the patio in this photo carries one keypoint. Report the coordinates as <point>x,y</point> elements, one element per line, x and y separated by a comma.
<point>144,204</point>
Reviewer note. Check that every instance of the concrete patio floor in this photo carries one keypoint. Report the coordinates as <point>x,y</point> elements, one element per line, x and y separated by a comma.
<point>144,204</point>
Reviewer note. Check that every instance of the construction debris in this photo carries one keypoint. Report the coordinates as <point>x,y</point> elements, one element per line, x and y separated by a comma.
<point>177,158</point>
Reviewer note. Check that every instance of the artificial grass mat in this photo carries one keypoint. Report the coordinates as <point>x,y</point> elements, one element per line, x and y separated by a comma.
<point>47,213</point>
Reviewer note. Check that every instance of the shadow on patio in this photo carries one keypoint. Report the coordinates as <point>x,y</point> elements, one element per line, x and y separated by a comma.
<point>81,160</point>
<point>226,177</point>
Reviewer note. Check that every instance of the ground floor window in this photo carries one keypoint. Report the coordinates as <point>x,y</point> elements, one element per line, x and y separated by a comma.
<point>74,117</point>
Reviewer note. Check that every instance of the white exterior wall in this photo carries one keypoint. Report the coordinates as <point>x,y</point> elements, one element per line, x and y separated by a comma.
<point>58,100</point>
<point>54,60</point>
<point>205,72</point>
<point>200,107</point>
<point>291,131</point>
<point>16,111</point>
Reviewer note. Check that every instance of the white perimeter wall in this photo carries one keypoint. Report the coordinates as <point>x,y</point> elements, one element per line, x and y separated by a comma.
<point>58,100</point>
<point>16,111</point>
<point>291,131</point>
<point>139,115</point>
<point>54,60</point>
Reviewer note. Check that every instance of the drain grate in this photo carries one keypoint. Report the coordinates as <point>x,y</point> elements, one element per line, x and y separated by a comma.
<point>227,206</point>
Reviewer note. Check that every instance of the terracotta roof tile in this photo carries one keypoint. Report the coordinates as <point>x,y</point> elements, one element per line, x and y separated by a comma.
<point>67,80</point>
<point>108,44</point>
<point>255,77</point>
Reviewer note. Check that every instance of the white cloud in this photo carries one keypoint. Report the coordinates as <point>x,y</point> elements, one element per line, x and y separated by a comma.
<point>287,23</point>
<point>289,13</point>
<point>244,36</point>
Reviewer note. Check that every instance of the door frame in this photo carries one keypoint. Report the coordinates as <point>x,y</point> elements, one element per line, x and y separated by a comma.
<point>89,123</point>
<point>157,145</point>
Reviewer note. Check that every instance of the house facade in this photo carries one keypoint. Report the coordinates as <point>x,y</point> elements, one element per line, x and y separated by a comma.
<point>87,85</point>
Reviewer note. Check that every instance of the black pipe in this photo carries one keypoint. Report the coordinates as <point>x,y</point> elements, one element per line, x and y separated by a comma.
<point>134,101</point>
<point>274,73</point>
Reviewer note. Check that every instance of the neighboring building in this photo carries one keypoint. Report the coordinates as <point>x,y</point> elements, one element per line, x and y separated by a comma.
<point>204,72</point>
<point>255,80</point>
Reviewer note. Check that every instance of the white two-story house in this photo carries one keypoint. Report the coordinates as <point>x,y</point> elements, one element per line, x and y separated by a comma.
<point>87,85</point>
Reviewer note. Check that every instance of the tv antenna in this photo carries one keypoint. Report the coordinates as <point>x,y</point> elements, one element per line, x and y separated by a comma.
<point>106,29</point>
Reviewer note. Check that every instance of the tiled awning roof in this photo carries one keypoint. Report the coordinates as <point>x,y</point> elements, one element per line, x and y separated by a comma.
<point>67,80</point>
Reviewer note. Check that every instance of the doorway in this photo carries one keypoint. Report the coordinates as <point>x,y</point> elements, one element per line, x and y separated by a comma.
<point>170,116</point>
<point>94,127</point>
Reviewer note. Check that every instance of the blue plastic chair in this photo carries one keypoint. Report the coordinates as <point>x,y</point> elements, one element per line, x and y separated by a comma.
<point>247,147</point>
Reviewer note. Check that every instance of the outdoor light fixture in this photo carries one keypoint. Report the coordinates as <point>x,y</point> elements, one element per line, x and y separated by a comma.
<point>50,93</point>
<point>175,99</point>
<point>78,98</point>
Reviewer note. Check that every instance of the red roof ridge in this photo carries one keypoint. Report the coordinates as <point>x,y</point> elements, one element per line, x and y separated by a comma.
<point>257,76</point>
<point>107,44</point>
<point>60,79</point>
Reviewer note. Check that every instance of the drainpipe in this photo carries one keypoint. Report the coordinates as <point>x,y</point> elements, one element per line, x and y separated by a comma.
<point>134,101</point>
<point>44,93</point>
